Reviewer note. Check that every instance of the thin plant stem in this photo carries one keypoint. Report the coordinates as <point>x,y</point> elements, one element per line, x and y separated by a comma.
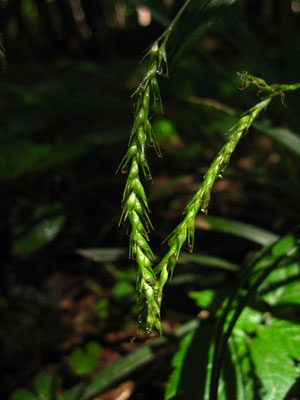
<point>166,34</point>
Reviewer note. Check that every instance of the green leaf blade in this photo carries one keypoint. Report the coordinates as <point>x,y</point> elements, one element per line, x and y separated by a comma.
<point>237,228</point>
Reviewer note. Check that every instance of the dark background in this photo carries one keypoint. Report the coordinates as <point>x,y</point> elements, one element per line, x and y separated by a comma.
<point>65,119</point>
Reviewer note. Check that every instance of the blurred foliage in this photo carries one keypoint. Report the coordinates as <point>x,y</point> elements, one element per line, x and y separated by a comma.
<point>83,361</point>
<point>264,336</point>
<point>68,69</point>
<point>44,388</point>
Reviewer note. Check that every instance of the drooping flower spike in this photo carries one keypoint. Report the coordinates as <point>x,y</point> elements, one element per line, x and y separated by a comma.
<point>151,279</point>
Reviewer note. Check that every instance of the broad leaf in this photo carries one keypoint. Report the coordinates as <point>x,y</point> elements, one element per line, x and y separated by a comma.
<point>272,353</point>
<point>259,345</point>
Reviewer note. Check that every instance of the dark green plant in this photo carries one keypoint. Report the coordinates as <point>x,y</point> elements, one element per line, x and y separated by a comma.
<point>249,345</point>
<point>150,279</point>
<point>244,345</point>
<point>244,340</point>
<point>231,365</point>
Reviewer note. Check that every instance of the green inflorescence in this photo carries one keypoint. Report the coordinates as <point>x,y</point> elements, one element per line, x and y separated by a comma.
<point>151,279</point>
<point>134,202</point>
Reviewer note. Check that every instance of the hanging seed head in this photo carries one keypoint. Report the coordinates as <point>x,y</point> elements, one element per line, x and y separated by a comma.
<point>134,202</point>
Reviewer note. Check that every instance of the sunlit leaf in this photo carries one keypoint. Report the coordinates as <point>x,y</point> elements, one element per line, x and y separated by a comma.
<point>272,352</point>
<point>282,286</point>
<point>203,298</point>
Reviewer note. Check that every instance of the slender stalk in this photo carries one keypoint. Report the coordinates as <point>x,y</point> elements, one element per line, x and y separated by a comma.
<point>269,90</point>
<point>165,35</point>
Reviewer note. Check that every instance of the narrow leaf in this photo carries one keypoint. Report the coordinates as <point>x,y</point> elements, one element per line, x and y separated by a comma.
<point>191,366</point>
<point>199,22</point>
<point>240,229</point>
<point>282,135</point>
<point>209,261</point>
<point>104,254</point>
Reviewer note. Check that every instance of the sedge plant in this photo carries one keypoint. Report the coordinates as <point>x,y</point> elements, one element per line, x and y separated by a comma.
<point>135,208</point>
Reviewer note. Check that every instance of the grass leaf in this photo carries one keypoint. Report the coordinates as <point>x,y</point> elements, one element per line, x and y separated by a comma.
<point>200,20</point>
<point>104,254</point>
<point>236,228</point>
<point>190,363</point>
<point>209,261</point>
<point>284,136</point>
